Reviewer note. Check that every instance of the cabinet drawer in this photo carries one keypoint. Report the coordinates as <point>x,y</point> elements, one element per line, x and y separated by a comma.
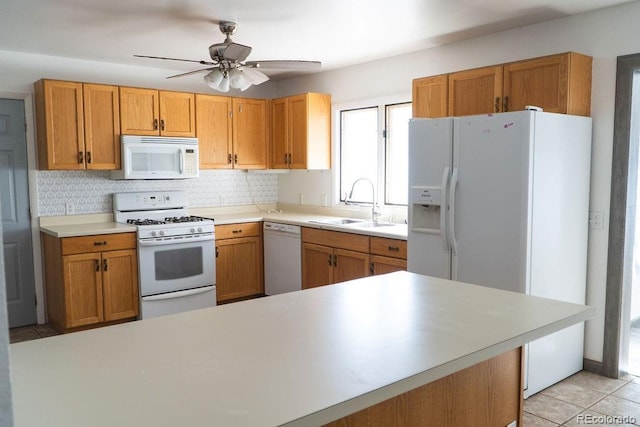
<point>230,231</point>
<point>393,248</point>
<point>336,239</point>
<point>98,243</point>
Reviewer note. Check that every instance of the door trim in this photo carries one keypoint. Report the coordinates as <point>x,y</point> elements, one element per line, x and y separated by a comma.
<point>29,116</point>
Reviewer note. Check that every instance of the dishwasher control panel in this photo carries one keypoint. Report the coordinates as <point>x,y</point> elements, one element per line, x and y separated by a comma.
<point>283,228</point>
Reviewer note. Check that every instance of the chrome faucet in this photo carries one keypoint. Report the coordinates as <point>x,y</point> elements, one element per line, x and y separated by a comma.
<point>375,209</point>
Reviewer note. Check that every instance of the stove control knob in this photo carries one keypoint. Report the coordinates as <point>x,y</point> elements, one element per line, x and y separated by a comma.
<point>199,229</point>
<point>153,233</point>
<point>193,230</point>
<point>161,232</point>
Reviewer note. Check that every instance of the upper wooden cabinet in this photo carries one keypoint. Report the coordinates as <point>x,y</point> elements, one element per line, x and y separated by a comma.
<point>430,96</point>
<point>557,83</point>
<point>301,132</point>
<point>250,135</point>
<point>154,112</point>
<point>214,131</point>
<point>77,125</point>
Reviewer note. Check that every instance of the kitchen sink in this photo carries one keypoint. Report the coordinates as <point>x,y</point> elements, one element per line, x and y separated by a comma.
<point>371,224</point>
<point>340,221</point>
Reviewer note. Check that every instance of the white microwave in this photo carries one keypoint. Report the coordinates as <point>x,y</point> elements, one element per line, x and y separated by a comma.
<point>157,157</point>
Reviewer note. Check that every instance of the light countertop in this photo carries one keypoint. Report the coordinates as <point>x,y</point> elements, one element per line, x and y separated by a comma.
<point>302,358</point>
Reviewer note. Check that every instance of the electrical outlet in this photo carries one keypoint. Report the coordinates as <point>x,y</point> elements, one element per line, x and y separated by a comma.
<point>323,199</point>
<point>301,198</point>
<point>69,208</point>
<point>596,220</point>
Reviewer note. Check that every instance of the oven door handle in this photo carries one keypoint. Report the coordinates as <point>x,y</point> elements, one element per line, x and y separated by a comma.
<point>179,294</point>
<point>171,241</point>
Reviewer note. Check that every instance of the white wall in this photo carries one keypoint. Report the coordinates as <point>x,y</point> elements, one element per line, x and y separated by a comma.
<point>603,34</point>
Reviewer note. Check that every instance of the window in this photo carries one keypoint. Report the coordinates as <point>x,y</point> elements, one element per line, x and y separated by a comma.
<point>373,145</point>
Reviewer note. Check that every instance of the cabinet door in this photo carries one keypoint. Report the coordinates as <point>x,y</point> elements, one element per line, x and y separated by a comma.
<point>239,271</point>
<point>101,126</point>
<point>317,265</point>
<point>279,134</point>
<point>177,114</point>
<point>139,111</point>
<point>315,114</point>
<point>430,96</point>
<point>298,131</point>
<point>120,284</point>
<point>557,83</point>
<point>382,265</point>
<point>250,133</point>
<point>82,289</point>
<point>476,91</point>
<point>349,265</point>
<point>214,131</point>
<point>60,125</point>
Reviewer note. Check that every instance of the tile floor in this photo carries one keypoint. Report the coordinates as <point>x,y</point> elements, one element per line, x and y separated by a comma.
<point>579,400</point>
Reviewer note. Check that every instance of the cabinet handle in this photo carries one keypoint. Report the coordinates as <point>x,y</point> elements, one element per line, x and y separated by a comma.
<point>88,156</point>
<point>505,104</point>
<point>285,159</point>
<point>237,231</point>
<point>330,264</point>
<point>155,124</point>
<point>105,265</point>
<point>100,243</point>
<point>217,252</point>
<point>235,159</point>
<point>335,260</point>
<point>289,158</point>
<point>229,159</point>
<point>497,104</point>
<point>162,124</point>
<point>371,268</point>
<point>394,248</point>
<point>80,157</point>
<point>97,265</point>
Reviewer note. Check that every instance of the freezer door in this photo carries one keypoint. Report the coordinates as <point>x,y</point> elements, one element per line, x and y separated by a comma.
<point>430,151</point>
<point>489,194</point>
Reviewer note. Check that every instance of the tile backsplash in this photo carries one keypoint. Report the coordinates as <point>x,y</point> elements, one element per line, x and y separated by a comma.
<point>90,191</point>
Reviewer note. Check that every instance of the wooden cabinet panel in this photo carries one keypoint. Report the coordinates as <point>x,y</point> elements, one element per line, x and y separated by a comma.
<point>250,133</point>
<point>120,284</point>
<point>177,114</point>
<point>101,126</point>
<point>430,96</point>
<point>214,131</point>
<point>336,239</point>
<point>245,229</point>
<point>83,289</point>
<point>557,83</point>
<point>139,111</point>
<point>279,133</point>
<point>477,91</point>
<point>60,124</point>
<point>317,265</point>
<point>349,265</point>
<point>383,264</point>
<point>394,248</point>
<point>239,271</point>
<point>98,243</point>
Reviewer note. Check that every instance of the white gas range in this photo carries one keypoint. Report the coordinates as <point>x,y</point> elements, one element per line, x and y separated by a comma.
<point>176,252</point>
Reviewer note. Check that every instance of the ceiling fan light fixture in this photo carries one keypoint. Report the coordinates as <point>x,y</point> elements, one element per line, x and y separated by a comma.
<point>237,79</point>
<point>224,85</point>
<point>214,78</point>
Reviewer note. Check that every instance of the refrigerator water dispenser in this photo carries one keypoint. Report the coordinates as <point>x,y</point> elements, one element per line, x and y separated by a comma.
<point>426,209</point>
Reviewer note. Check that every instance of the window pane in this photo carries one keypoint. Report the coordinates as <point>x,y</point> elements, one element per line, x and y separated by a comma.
<point>358,152</point>
<point>397,159</point>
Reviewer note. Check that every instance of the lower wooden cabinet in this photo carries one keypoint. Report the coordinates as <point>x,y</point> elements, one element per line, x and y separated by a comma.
<point>388,255</point>
<point>91,280</point>
<point>239,261</point>
<point>331,257</point>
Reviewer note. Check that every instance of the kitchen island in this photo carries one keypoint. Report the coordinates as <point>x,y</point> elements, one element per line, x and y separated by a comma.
<point>302,358</point>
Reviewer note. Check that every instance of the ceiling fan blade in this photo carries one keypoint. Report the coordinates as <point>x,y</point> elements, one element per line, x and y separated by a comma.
<point>229,51</point>
<point>176,59</point>
<point>192,72</point>
<point>285,65</point>
<point>254,76</point>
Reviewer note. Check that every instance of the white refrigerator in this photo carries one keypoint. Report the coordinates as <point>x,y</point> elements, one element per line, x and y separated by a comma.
<point>502,200</point>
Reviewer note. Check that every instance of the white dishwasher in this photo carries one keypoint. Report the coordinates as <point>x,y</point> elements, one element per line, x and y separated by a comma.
<point>282,258</point>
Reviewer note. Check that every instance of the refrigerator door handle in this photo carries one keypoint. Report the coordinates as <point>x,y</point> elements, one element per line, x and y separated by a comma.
<point>452,211</point>
<point>443,210</point>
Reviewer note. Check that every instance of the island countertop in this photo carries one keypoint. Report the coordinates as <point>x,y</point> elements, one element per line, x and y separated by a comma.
<point>302,358</point>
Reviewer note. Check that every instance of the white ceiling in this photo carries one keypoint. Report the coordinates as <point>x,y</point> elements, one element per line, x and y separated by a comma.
<point>336,32</point>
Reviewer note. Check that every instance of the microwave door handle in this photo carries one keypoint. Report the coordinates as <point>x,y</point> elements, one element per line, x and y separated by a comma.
<point>181,161</point>
<point>179,294</point>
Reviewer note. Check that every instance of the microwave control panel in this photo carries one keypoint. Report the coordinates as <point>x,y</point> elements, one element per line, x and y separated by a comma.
<point>190,162</point>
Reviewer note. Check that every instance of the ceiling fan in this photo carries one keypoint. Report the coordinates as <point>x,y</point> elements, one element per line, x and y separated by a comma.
<point>228,67</point>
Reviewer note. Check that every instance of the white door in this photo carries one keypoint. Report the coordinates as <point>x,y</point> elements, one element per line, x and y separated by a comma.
<point>490,200</point>
<point>430,153</point>
<point>16,227</point>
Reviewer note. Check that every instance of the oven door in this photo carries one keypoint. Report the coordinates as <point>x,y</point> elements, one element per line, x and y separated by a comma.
<point>176,263</point>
